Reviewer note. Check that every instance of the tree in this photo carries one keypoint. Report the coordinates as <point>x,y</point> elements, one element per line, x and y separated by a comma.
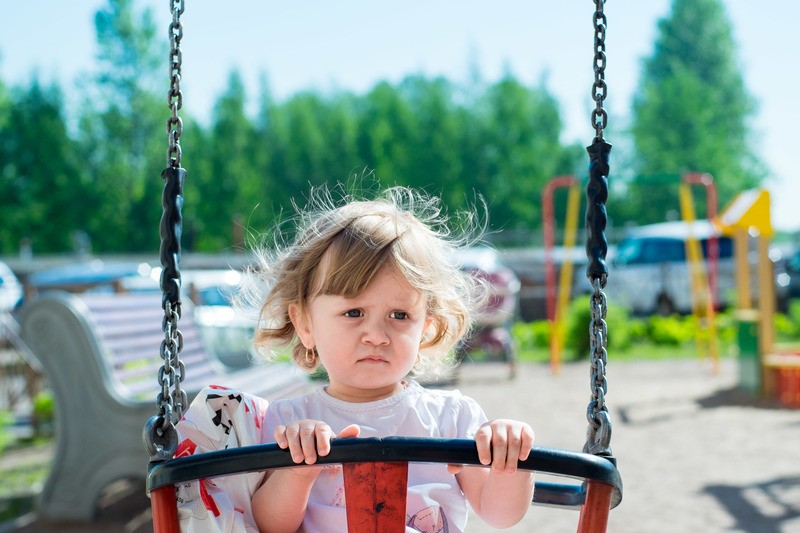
<point>435,158</point>
<point>122,130</point>
<point>522,129</point>
<point>691,112</point>
<point>41,183</point>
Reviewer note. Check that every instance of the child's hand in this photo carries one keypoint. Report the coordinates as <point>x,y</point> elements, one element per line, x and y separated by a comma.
<point>502,442</point>
<point>307,439</point>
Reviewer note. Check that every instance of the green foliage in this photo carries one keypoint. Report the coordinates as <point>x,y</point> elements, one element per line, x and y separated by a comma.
<point>6,419</point>
<point>671,330</point>
<point>727,327</point>
<point>500,141</point>
<point>529,336</point>
<point>622,329</point>
<point>44,413</point>
<point>97,173</point>
<point>787,326</point>
<point>690,113</point>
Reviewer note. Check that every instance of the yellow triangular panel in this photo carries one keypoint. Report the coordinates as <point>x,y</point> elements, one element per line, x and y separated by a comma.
<point>749,210</point>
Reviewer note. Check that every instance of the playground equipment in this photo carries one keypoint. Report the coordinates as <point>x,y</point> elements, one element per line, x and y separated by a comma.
<point>763,369</point>
<point>556,308</point>
<point>704,284</point>
<point>378,504</point>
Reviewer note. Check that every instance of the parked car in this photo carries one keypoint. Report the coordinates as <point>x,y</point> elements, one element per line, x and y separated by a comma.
<point>10,289</point>
<point>648,272</point>
<point>792,271</point>
<point>225,331</point>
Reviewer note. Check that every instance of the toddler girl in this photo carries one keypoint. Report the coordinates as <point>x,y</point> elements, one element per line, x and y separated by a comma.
<point>370,292</point>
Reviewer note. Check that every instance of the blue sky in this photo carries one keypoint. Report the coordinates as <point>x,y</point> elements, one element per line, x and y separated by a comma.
<point>351,44</point>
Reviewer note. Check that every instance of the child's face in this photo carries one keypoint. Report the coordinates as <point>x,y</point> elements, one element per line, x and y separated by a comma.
<point>367,343</point>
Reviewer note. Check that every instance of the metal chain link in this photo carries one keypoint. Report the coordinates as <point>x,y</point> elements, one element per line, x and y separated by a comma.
<point>160,434</point>
<point>175,96</point>
<point>599,89</point>
<point>598,439</point>
<point>172,400</point>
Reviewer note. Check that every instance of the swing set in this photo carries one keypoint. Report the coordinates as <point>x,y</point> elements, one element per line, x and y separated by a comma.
<point>375,469</point>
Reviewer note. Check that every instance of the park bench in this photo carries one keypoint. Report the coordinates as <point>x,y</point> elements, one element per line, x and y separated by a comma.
<point>100,354</point>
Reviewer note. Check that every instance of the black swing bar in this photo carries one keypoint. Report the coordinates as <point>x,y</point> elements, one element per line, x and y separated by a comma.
<point>577,465</point>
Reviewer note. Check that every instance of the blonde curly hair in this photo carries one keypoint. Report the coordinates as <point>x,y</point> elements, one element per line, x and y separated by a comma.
<point>399,229</point>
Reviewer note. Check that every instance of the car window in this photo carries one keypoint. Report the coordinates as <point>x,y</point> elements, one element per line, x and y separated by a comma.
<point>794,262</point>
<point>628,251</point>
<point>662,251</point>
<point>724,246</point>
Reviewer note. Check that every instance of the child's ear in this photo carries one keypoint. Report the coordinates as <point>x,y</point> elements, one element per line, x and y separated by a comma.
<point>429,329</point>
<point>301,325</point>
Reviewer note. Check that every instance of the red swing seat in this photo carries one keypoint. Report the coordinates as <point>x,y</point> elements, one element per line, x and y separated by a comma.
<point>375,478</point>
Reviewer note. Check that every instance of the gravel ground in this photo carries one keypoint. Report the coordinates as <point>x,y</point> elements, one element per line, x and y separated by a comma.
<point>695,453</point>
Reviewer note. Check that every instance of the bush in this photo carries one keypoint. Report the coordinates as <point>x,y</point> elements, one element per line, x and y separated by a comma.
<point>622,329</point>
<point>43,412</point>
<point>529,336</point>
<point>671,330</point>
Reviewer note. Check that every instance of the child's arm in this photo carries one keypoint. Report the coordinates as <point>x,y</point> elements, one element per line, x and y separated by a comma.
<point>280,503</point>
<point>500,495</point>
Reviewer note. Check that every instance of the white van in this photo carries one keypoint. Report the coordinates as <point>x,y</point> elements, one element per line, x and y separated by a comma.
<point>648,272</point>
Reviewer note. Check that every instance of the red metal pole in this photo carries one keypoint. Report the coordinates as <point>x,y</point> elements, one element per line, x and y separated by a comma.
<point>165,510</point>
<point>375,496</point>
<point>594,511</point>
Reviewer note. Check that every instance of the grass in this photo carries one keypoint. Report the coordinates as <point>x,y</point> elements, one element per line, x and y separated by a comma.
<point>23,478</point>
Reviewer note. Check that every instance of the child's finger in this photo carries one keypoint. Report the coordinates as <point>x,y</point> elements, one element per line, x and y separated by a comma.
<point>527,442</point>
<point>280,436</point>
<point>483,440</point>
<point>292,435</point>
<point>324,434</point>
<point>454,469</point>
<point>308,442</point>
<point>499,447</point>
<point>351,431</point>
<point>513,445</point>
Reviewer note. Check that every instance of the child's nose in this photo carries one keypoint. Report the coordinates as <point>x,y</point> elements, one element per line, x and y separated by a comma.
<point>375,334</point>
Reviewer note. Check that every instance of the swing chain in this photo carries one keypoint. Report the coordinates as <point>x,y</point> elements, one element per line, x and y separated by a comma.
<point>175,96</point>
<point>599,88</point>
<point>172,400</point>
<point>598,440</point>
<point>160,434</point>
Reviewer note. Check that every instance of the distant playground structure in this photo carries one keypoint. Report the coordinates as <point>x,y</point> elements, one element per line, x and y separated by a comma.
<point>737,238</point>
<point>675,269</point>
<point>764,368</point>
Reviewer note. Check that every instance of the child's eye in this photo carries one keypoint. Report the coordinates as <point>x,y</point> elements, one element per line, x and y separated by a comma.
<point>354,313</point>
<point>400,315</point>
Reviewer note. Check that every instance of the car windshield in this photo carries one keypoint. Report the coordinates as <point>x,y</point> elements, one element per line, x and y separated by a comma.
<point>627,251</point>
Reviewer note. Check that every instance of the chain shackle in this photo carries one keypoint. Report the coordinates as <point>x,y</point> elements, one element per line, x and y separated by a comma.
<point>599,88</point>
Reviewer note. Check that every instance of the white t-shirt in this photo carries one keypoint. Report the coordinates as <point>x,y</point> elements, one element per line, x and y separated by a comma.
<point>435,503</point>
